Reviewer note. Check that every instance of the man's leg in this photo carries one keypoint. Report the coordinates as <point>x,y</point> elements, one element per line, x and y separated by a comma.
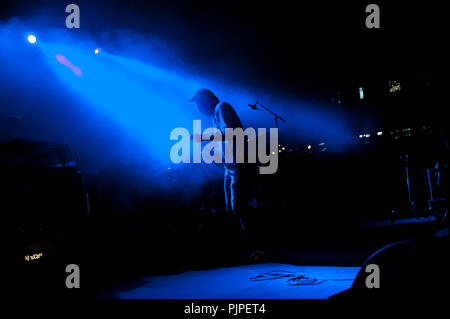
<point>234,203</point>
<point>233,195</point>
<point>227,191</point>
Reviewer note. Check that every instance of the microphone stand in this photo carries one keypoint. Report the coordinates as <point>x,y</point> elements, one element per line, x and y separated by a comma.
<point>276,116</point>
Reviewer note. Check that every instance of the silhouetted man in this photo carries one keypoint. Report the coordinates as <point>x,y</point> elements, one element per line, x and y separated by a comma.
<point>224,116</point>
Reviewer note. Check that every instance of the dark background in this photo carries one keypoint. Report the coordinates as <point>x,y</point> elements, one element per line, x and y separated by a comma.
<point>313,50</point>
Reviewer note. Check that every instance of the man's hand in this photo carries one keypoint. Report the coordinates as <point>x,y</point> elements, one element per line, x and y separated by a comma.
<point>196,137</point>
<point>200,138</point>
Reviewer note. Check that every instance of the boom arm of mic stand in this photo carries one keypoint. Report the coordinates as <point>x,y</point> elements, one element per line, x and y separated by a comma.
<point>274,114</point>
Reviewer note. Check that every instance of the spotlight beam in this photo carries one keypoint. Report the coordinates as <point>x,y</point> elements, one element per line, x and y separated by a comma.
<point>31,38</point>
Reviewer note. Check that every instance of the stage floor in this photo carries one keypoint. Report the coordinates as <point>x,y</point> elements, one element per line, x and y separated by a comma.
<point>281,281</point>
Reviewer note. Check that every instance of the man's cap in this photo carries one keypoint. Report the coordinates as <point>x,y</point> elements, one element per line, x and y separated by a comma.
<point>203,94</point>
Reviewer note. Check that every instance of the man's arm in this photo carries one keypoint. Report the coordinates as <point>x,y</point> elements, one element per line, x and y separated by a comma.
<point>228,117</point>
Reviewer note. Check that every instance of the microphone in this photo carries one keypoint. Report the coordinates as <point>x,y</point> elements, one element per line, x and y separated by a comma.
<point>12,117</point>
<point>253,106</point>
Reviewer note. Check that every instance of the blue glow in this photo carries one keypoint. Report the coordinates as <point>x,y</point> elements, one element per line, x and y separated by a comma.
<point>148,107</point>
<point>126,107</point>
<point>234,283</point>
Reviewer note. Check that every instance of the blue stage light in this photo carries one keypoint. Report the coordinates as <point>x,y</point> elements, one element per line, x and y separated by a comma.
<point>97,51</point>
<point>31,38</point>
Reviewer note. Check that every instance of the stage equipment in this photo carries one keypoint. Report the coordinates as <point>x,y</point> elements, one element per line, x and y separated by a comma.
<point>276,116</point>
<point>407,268</point>
<point>412,208</point>
<point>45,198</point>
<point>438,202</point>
